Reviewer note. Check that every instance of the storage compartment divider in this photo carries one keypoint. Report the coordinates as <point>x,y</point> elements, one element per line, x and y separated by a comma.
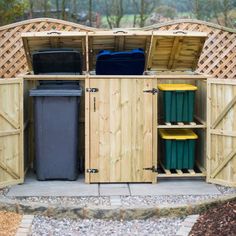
<point>198,126</point>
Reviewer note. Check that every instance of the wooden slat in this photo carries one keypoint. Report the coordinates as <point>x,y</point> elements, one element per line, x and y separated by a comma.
<point>224,112</point>
<point>94,132</point>
<point>11,121</point>
<point>8,170</point>
<point>11,132</point>
<point>87,131</point>
<point>222,165</point>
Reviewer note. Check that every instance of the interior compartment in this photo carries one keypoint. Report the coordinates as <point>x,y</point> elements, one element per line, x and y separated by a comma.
<point>118,42</point>
<point>198,126</point>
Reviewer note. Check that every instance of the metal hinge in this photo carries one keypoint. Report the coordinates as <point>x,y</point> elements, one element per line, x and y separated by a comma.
<point>153,169</point>
<point>153,91</point>
<point>92,171</point>
<point>91,90</point>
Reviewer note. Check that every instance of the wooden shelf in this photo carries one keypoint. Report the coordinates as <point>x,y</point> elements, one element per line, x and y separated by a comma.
<point>196,172</point>
<point>193,125</point>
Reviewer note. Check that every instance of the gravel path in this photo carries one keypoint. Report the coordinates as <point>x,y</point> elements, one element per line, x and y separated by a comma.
<point>163,200</point>
<point>74,201</point>
<point>226,190</point>
<point>65,227</point>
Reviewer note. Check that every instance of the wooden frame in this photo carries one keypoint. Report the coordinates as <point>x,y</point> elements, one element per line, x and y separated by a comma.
<point>199,126</point>
<point>221,132</point>
<point>11,132</point>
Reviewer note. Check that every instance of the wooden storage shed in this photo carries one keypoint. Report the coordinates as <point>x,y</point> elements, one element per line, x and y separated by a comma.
<point>122,114</point>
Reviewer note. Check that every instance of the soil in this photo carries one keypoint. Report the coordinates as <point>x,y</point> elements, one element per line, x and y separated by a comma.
<point>220,221</point>
<point>9,223</point>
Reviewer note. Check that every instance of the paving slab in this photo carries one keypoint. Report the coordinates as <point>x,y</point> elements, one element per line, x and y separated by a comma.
<point>114,189</point>
<point>174,187</point>
<point>33,187</point>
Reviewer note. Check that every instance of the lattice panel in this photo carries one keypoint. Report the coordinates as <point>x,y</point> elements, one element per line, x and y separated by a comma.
<point>12,57</point>
<point>219,54</point>
<point>218,57</point>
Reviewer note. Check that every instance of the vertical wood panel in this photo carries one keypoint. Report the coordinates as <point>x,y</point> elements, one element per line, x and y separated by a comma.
<point>128,124</point>
<point>221,139</point>
<point>121,130</point>
<point>94,132</point>
<point>11,132</point>
<point>115,130</point>
<point>104,124</point>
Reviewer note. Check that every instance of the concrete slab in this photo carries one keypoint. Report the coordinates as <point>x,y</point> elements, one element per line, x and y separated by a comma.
<point>114,189</point>
<point>33,187</point>
<point>174,187</point>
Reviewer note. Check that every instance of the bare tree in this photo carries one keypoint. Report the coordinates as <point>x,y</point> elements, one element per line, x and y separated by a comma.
<point>221,11</point>
<point>90,13</point>
<point>114,12</point>
<point>144,9</point>
<point>46,7</point>
<point>63,9</point>
<point>197,9</point>
<point>215,6</point>
<point>31,9</point>
<point>226,7</point>
<point>58,9</point>
<point>74,10</point>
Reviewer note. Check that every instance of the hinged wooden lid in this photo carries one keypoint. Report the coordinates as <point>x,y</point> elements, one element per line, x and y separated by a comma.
<point>175,50</point>
<point>118,40</point>
<point>54,39</point>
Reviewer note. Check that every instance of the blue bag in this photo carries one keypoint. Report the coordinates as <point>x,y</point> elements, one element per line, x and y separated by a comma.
<point>120,63</point>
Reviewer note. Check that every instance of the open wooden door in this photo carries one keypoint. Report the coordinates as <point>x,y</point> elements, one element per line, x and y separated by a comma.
<point>221,132</point>
<point>11,131</point>
<point>120,130</point>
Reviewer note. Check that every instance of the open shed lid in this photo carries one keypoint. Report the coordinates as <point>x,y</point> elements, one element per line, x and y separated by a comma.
<point>175,50</point>
<point>118,40</point>
<point>54,39</point>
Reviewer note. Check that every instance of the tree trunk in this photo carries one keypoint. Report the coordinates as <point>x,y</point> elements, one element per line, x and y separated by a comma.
<point>226,9</point>
<point>114,12</point>
<point>46,8</point>
<point>31,9</point>
<point>120,12</point>
<point>63,10</point>
<point>90,13</point>
<point>197,9</point>
<point>74,12</point>
<point>57,8</point>
<point>142,14</point>
<point>134,20</point>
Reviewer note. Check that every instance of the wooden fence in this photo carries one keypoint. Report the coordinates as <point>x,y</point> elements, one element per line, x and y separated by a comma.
<point>218,57</point>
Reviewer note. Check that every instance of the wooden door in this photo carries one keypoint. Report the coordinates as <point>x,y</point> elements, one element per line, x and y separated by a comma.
<point>11,131</point>
<point>221,132</point>
<point>120,130</point>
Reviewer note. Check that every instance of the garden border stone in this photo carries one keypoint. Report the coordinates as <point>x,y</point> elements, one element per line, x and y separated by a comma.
<point>110,212</point>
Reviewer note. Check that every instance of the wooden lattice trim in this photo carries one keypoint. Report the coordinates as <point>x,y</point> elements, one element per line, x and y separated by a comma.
<point>189,21</point>
<point>217,59</point>
<point>50,20</point>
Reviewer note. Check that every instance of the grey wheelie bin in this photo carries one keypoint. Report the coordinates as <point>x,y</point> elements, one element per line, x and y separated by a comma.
<point>56,131</point>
